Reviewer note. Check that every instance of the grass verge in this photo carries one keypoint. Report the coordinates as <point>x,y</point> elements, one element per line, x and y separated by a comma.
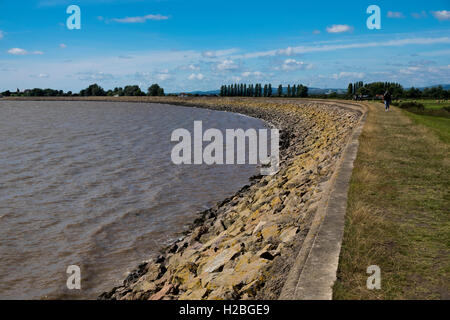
<point>398,210</point>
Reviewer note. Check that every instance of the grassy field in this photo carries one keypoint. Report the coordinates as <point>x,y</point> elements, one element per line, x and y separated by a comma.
<point>441,126</point>
<point>398,215</point>
<point>430,104</point>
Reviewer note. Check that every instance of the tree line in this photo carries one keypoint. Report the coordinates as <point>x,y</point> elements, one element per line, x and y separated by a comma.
<point>372,90</point>
<point>92,90</point>
<point>257,90</point>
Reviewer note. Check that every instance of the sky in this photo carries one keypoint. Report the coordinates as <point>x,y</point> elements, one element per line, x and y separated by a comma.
<point>187,45</point>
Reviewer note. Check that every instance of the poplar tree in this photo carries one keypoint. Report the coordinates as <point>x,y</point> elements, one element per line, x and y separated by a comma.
<point>280,90</point>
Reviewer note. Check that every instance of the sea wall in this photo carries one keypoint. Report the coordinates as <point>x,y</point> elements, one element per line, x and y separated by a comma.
<point>243,247</point>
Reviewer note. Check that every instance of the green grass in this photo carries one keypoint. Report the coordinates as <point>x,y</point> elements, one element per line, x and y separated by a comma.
<point>398,210</point>
<point>441,126</point>
<point>431,104</point>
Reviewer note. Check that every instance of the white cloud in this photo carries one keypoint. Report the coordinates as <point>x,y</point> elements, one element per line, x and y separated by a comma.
<point>163,76</point>
<point>1,34</point>
<point>142,19</point>
<point>62,46</point>
<point>292,64</point>
<point>256,74</point>
<point>197,76</point>
<point>208,54</point>
<point>289,51</point>
<point>441,15</point>
<point>22,52</point>
<point>40,75</point>
<point>219,53</point>
<point>227,65</point>
<point>395,15</point>
<point>357,45</point>
<point>95,76</point>
<point>339,28</point>
<point>409,70</point>
<point>316,32</point>
<point>17,51</point>
<point>353,75</point>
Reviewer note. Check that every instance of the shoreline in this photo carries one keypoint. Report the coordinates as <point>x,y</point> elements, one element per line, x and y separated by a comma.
<point>245,246</point>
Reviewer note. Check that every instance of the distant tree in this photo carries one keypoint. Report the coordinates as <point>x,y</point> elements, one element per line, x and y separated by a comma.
<point>413,93</point>
<point>265,90</point>
<point>133,91</point>
<point>155,90</point>
<point>350,89</point>
<point>363,91</point>
<point>93,90</point>
<point>280,90</point>
<point>303,91</point>
<point>289,90</point>
<point>294,91</point>
<point>269,90</point>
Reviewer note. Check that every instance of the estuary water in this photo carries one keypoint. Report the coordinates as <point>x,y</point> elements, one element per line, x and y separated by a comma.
<point>92,184</point>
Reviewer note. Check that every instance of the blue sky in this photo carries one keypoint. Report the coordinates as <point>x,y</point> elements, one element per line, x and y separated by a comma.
<point>187,45</point>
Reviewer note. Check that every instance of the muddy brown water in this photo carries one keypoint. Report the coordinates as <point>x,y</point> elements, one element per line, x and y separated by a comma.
<point>92,184</point>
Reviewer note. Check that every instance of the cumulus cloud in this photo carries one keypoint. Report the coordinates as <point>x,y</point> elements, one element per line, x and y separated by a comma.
<point>395,15</point>
<point>62,46</point>
<point>17,51</point>
<point>339,28</point>
<point>441,15</point>
<point>141,19</point>
<point>22,52</point>
<point>292,64</point>
<point>227,65</point>
<point>197,76</point>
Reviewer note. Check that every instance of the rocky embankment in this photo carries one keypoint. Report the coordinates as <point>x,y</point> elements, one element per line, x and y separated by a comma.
<point>243,247</point>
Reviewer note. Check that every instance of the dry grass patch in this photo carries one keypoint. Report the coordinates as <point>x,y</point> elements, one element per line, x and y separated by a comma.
<point>398,212</point>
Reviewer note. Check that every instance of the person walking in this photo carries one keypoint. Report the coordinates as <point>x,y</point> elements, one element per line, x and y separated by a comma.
<point>387,100</point>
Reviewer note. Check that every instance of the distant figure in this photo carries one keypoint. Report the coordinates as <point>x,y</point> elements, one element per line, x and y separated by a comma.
<point>387,100</point>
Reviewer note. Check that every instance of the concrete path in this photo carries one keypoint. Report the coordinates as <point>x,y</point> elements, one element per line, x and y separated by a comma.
<point>314,272</point>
